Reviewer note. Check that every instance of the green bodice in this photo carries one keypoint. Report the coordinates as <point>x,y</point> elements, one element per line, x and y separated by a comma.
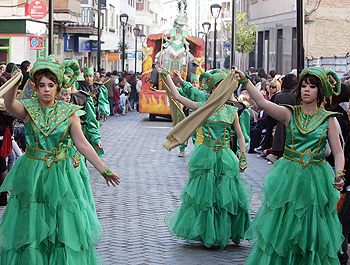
<point>47,132</point>
<point>216,131</point>
<point>306,136</point>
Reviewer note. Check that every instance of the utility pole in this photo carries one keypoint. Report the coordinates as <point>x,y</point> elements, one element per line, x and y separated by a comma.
<point>50,44</point>
<point>300,35</point>
<point>99,37</point>
<point>233,38</point>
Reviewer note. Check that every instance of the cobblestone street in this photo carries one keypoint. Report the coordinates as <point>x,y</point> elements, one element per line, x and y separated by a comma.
<point>132,214</point>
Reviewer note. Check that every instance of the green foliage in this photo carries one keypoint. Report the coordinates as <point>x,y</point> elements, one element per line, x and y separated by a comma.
<point>227,61</point>
<point>120,49</point>
<point>245,34</point>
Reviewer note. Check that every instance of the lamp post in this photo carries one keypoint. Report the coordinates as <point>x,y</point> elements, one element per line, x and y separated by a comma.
<point>233,38</point>
<point>124,21</point>
<point>206,27</point>
<point>300,36</point>
<point>136,31</point>
<point>99,37</point>
<point>143,38</point>
<point>215,12</point>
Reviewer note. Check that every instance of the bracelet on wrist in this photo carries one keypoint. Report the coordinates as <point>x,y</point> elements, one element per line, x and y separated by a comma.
<point>107,172</point>
<point>242,162</point>
<point>165,72</point>
<point>340,173</point>
<point>244,82</point>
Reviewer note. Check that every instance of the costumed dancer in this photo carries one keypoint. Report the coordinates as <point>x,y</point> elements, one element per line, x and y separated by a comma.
<point>176,43</point>
<point>195,84</point>
<point>97,91</point>
<point>215,203</point>
<point>90,124</point>
<point>200,94</point>
<point>47,220</point>
<point>297,222</point>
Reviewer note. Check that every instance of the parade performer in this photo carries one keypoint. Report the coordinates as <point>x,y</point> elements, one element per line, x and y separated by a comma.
<point>90,124</point>
<point>190,91</point>
<point>297,222</point>
<point>215,202</point>
<point>195,84</point>
<point>47,220</point>
<point>177,42</point>
<point>97,91</point>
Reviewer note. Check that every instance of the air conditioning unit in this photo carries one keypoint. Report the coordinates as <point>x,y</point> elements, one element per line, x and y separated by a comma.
<point>139,1</point>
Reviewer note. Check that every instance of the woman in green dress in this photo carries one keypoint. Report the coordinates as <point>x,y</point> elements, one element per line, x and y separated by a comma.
<point>47,219</point>
<point>215,202</point>
<point>297,222</point>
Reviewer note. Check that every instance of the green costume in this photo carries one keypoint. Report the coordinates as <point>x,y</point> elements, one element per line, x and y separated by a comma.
<point>48,219</point>
<point>189,91</point>
<point>176,47</point>
<point>297,222</point>
<point>215,202</point>
<point>89,123</point>
<point>98,92</point>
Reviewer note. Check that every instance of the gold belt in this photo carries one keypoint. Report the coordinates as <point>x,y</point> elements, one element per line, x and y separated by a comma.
<point>216,144</point>
<point>49,156</point>
<point>304,158</point>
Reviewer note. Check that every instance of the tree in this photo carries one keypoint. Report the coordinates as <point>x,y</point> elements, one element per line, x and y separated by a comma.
<point>120,49</point>
<point>244,35</point>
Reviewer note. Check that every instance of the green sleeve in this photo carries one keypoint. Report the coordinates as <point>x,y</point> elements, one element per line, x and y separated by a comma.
<point>189,91</point>
<point>92,127</point>
<point>103,101</point>
<point>244,122</point>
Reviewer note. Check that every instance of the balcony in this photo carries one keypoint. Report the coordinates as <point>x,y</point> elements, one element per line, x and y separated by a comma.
<point>87,23</point>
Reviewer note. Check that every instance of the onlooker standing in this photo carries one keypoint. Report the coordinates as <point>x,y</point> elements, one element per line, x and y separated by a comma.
<point>111,86</point>
<point>133,92</point>
<point>25,68</point>
<point>138,89</point>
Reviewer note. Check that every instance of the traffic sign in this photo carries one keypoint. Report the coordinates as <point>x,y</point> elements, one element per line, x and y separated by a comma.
<point>36,43</point>
<point>37,9</point>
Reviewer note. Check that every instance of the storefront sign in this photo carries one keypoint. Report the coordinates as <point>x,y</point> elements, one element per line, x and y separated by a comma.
<point>36,9</point>
<point>113,57</point>
<point>36,43</point>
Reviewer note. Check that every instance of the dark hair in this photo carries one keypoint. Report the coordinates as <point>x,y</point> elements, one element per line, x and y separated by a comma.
<point>255,79</point>
<point>9,67</point>
<point>24,65</point>
<point>272,73</point>
<point>290,82</point>
<point>310,79</point>
<point>252,69</point>
<point>108,74</point>
<point>262,73</point>
<point>38,75</point>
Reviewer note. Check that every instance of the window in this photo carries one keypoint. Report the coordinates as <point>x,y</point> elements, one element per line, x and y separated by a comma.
<point>112,16</point>
<point>4,50</point>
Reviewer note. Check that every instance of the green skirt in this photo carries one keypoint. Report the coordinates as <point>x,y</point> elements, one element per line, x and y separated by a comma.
<point>48,220</point>
<point>297,222</point>
<point>215,201</point>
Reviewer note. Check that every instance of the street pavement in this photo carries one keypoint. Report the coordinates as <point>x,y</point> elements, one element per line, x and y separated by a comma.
<point>132,214</point>
<point>152,178</point>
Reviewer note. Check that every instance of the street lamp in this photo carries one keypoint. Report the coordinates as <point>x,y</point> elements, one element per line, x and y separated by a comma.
<point>124,21</point>
<point>215,12</point>
<point>143,38</point>
<point>206,27</point>
<point>136,31</point>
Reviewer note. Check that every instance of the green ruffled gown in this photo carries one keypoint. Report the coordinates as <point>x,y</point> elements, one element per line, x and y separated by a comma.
<point>297,222</point>
<point>48,219</point>
<point>215,201</point>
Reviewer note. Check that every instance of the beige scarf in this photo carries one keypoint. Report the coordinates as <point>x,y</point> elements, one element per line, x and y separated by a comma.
<point>187,127</point>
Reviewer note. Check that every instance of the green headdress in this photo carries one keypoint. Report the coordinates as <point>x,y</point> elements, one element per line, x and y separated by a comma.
<point>89,70</point>
<point>194,78</point>
<point>323,75</point>
<point>213,78</point>
<point>51,64</point>
<point>71,67</point>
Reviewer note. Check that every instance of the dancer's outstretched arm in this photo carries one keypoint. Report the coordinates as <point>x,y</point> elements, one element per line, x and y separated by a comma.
<point>174,90</point>
<point>277,112</point>
<point>85,148</point>
<point>337,151</point>
<point>13,105</point>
